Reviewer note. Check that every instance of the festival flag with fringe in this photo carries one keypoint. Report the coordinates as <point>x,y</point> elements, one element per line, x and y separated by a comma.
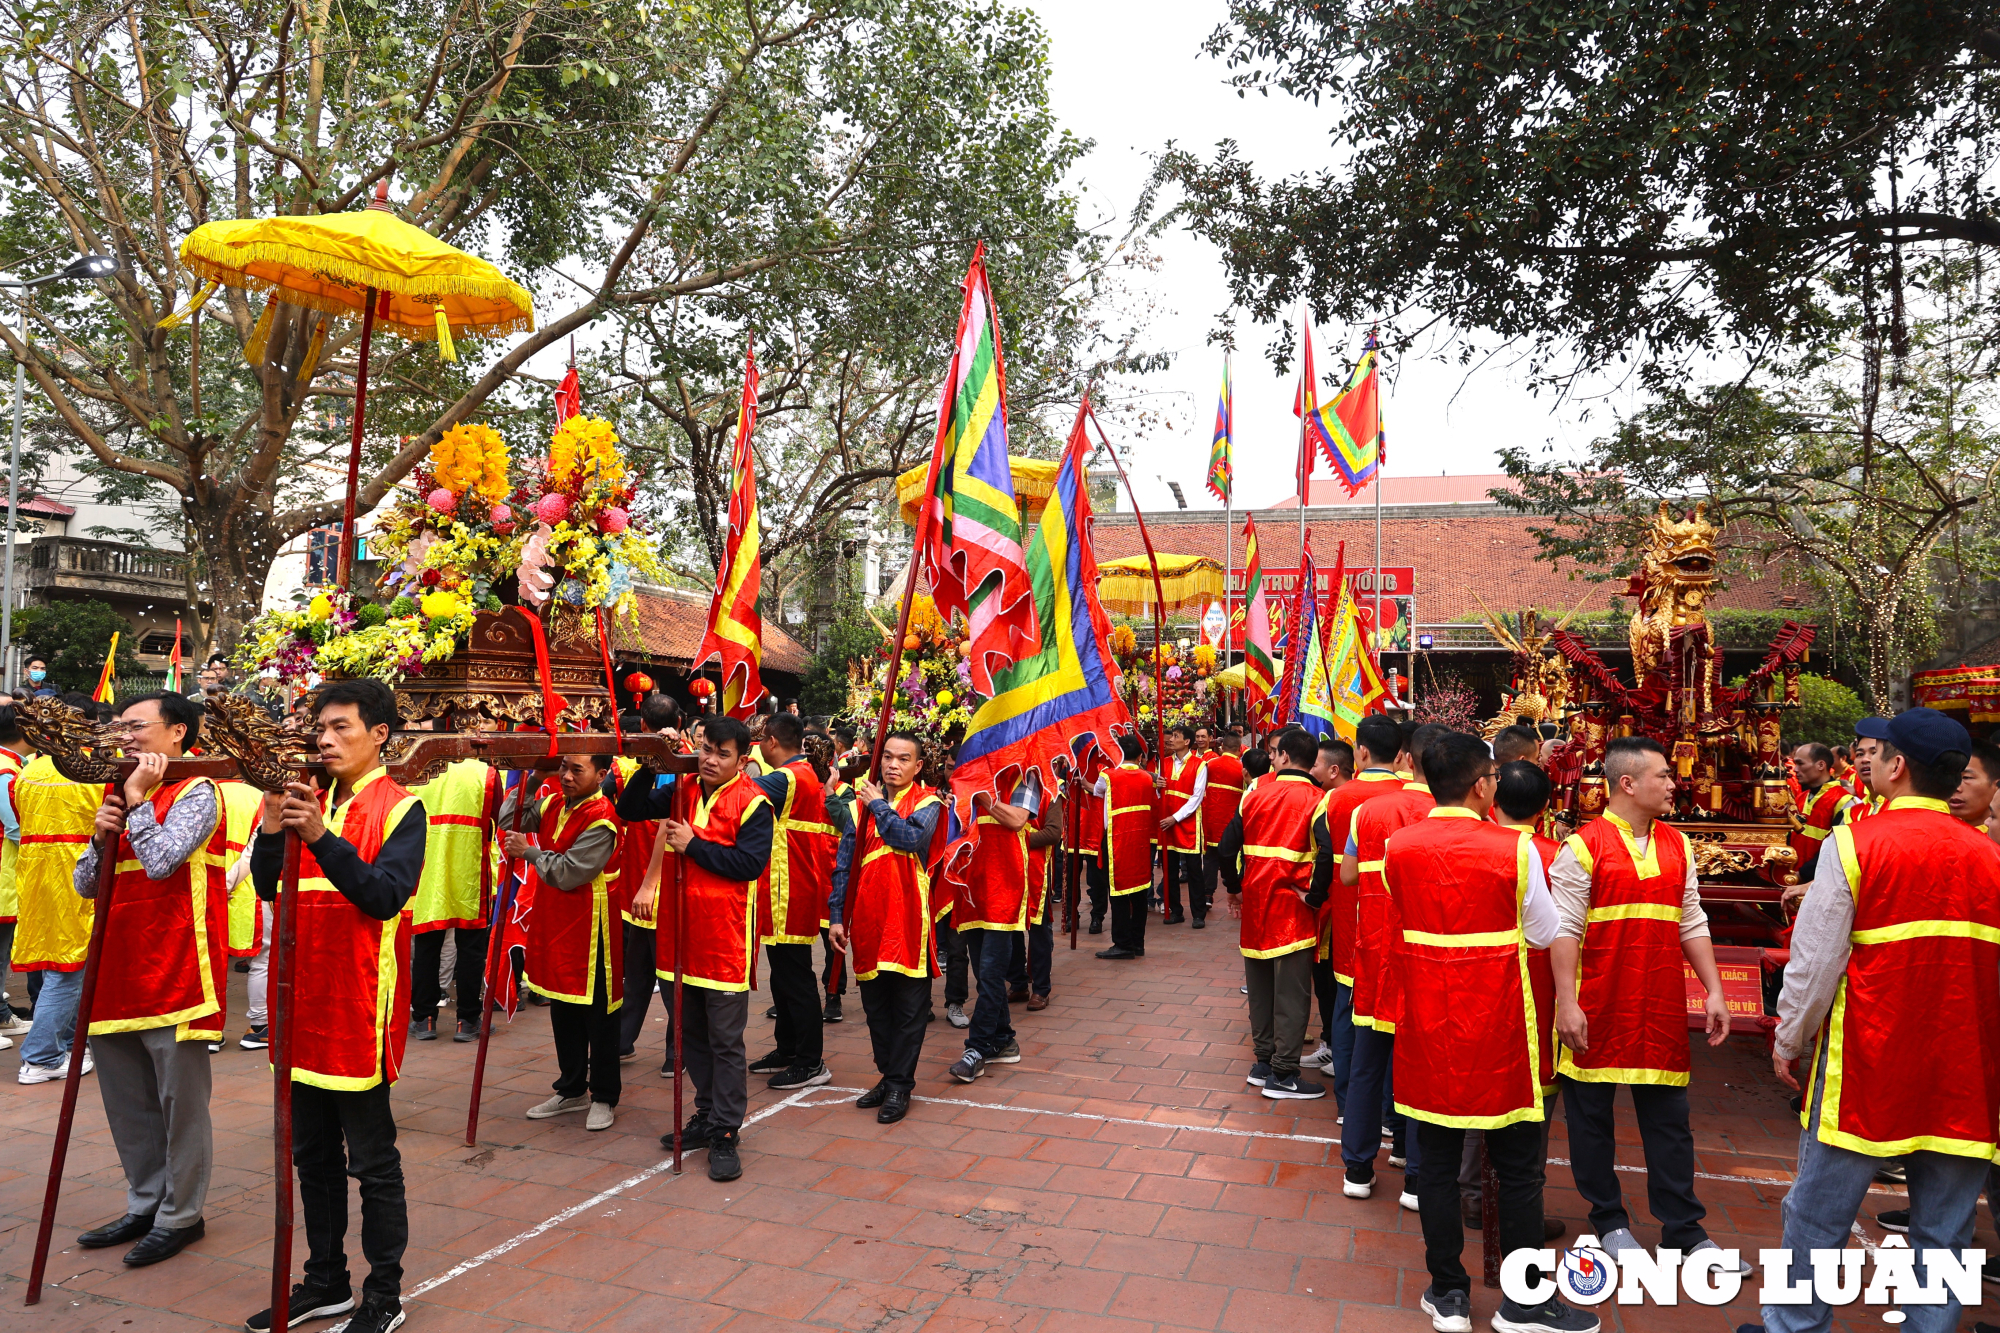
<point>735,631</point>
<point>107,691</point>
<point>1062,700</point>
<point>1258,674</point>
<point>1221,463</point>
<point>1353,674</point>
<point>971,538</point>
<point>1305,406</point>
<point>174,682</point>
<point>1349,429</point>
<point>1300,639</point>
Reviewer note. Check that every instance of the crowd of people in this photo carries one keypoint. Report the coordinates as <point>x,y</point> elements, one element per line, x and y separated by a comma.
<point>1473,960</point>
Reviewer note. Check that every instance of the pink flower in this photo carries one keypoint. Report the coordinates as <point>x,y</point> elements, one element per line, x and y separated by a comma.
<point>502,518</point>
<point>443,500</point>
<point>552,508</point>
<point>613,520</point>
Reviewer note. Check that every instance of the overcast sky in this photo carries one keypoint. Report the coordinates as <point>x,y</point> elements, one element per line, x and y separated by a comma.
<point>1132,76</point>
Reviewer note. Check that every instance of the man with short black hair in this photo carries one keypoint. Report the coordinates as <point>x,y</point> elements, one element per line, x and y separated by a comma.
<point>1130,800</point>
<point>1518,742</point>
<point>791,903</point>
<point>1812,764</point>
<point>1183,787</point>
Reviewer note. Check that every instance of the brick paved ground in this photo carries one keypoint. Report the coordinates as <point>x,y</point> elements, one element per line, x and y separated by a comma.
<point>1120,1179</point>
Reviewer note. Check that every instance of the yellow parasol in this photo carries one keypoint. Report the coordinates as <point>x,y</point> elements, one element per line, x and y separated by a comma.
<point>1126,586</point>
<point>1232,678</point>
<point>370,263</point>
<point>1034,482</point>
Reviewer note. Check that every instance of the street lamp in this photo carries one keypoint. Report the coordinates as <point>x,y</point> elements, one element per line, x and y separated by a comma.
<point>78,269</point>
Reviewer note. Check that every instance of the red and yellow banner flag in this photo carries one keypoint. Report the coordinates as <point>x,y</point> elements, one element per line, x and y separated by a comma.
<point>106,692</point>
<point>735,631</point>
<point>1258,675</point>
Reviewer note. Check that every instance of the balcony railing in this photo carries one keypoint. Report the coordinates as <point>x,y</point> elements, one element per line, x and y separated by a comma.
<point>73,562</point>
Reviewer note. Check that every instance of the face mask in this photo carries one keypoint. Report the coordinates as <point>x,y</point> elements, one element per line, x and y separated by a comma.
<point>37,676</point>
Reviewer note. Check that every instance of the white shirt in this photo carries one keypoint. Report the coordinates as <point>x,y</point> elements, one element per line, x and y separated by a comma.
<point>1571,885</point>
<point>1200,785</point>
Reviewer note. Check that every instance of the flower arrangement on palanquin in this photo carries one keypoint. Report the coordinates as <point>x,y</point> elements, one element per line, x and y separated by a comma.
<point>1723,741</point>
<point>1185,693</point>
<point>934,694</point>
<point>489,572</point>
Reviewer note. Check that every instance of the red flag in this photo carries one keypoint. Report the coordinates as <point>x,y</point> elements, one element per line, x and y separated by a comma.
<point>1304,404</point>
<point>174,663</point>
<point>569,397</point>
<point>735,630</point>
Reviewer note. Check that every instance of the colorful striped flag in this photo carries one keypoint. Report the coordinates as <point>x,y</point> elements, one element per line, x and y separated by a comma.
<point>1301,638</point>
<point>1221,466</point>
<point>1258,674</point>
<point>1349,429</point>
<point>1353,675</point>
<point>972,546</point>
<point>1062,699</point>
<point>174,682</point>
<point>735,630</point>
<point>106,692</point>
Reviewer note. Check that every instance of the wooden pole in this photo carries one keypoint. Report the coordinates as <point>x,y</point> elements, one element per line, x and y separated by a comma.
<point>345,566</point>
<point>680,806</point>
<point>1159,588</point>
<point>284,957</point>
<point>1072,858</point>
<point>896,647</point>
<point>496,959</point>
<point>107,872</point>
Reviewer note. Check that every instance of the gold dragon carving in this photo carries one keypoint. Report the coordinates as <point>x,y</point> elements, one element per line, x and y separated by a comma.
<point>1675,576</point>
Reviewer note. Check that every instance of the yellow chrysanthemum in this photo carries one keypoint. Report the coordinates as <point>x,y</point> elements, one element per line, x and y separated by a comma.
<point>471,457</point>
<point>585,447</point>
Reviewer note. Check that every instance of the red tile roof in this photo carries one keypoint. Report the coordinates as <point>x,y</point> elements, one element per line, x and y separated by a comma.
<point>41,504</point>
<point>1457,558</point>
<point>1469,489</point>
<point>671,626</point>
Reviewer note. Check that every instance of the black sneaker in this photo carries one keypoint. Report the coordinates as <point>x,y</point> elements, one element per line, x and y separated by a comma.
<point>723,1163</point>
<point>833,1014</point>
<point>424,1029</point>
<point>1450,1311</point>
<point>772,1012</point>
<point>1892,1173</point>
<point>694,1134</point>
<point>1895,1219</point>
<point>467,1031</point>
<point>256,1039</point>
<point>1291,1087</point>
<point>802,1076</point>
<point>772,1064</point>
<point>1010,1054</point>
<point>307,1303</point>
<point>1551,1317</point>
<point>1259,1075</point>
<point>968,1067</point>
<point>375,1316</point>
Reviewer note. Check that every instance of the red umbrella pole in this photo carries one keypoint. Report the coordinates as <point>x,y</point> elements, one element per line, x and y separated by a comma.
<point>680,806</point>
<point>347,534</point>
<point>284,957</point>
<point>107,870</point>
<point>496,955</point>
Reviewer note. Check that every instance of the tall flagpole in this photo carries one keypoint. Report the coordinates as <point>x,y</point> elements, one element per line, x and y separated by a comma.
<point>1381,640</point>
<point>1228,571</point>
<point>1307,395</point>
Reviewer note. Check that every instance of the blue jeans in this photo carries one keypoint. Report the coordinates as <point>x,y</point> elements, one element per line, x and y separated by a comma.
<point>991,955</point>
<point>1342,1040</point>
<point>1832,1185</point>
<point>1370,1099</point>
<point>47,1042</point>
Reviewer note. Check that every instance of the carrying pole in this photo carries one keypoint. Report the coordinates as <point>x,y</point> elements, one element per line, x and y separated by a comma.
<point>284,965</point>
<point>680,805</point>
<point>496,958</point>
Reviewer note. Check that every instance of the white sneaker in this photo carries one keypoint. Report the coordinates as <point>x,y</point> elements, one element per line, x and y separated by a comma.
<point>50,1073</point>
<point>955,1014</point>
<point>602,1114</point>
<point>1319,1059</point>
<point>5,1042</point>
<point>1408,1200</point>
<point>11,1023</point>
<point>1357,1189</point>
<point>1742,1267</point>
<point>1619,1241</point>
<point>556,1106</point>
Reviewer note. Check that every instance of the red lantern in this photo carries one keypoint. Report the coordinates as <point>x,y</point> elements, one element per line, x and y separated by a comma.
<point>701,687</point>
<point>639,682</point>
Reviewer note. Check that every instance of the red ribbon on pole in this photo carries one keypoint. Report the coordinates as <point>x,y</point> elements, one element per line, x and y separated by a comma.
<point>552,703</point>
<point>610,680</point>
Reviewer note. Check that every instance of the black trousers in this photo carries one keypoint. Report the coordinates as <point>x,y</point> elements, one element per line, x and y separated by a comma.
<point>834,975</point>
<point>951,950</point>
<point>336,1135</point>
<point>1517,1152</point>
<point>896,1005</point>
<point>640,982</point>
<point>468,973</point>
<point>800,1032</point>
<point>1128,921</point>
<point>1097,882</point>
<point>587,1038</point>
<point>1327,989</point>
<point>1186,868</point>
<point>1669,1147</point>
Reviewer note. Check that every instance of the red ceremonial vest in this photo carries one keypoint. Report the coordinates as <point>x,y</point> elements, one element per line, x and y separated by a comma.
<point>349,1018</point>
<point>721,919</point>
<point>1910,1048</point>
<point>1183,835</point>
<point>1133,821</point>
<point>1819,813</point>
<point>1468,1040</point>
<point>636,840</point>
<point>1278,859</point>
<point>1089,817</point>
<point>1224,798</point>
<point>572,928</point>
<point>1340,918</point>
<point>888,910</point>
<point>791,897</point>
<point>166,941</point>
<point>1000,879</point>
<point>1378,996</point>
<point>1541,972</point>
<point>1629,980</point>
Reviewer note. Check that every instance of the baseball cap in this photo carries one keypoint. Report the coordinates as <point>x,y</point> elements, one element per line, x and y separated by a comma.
<point>1924,734</point>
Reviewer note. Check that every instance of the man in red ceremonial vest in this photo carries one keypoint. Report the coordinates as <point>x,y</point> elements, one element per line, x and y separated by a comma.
<point>1824,800</point>
<point>791,902</point>
<point>1631,911</point>
<point>161,983</point>
<point>880,905</point>
<point>1280,917</point>
<point>642,856</point>
<point>726,844</point>
<point>1006,883</point>
<point>1377,998</point>
<point>575,955</point>
<point>362,857</point>
<point>835,790</point>
<point>1183,791</point>
<point>1222,797</point>
<point>1131,803</point>
<point>1895,964</point>
<point>1470,902</point>
<point>1090,840</point>
<point>1333,768</point>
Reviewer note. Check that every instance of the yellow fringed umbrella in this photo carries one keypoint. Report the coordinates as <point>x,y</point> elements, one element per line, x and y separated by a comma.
<point>1232,678</point>
<point>1126,586</point>
<point>1034,482</point>
<point>372,264</point>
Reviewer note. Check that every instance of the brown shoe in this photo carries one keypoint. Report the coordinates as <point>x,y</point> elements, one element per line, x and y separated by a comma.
<point>1037,1002</point>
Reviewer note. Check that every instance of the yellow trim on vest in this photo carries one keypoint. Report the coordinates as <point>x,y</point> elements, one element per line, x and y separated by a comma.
<point>1449,812</point>
<point>1581,852</point>
<point>1370,867</point>
<point>1279,854</point>
<point>1344,980</point>
<point>1513,1117</point>
<point>1646,866</point>
<point>1635,912</point>
<point>1829,1111</point>
<point>1937,928</point>
<point>1816,834</point>
<point>1129,810</point>
<point>1282,950</point>
<point>1843,845</point>
<point>1666,1078</point>
<point>1480,939</point>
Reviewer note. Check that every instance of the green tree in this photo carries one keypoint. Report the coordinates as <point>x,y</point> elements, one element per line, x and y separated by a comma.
<point>1826,713</point>
<point>851,638</point>
<point>1587,176</point>
<point>72,637</point>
